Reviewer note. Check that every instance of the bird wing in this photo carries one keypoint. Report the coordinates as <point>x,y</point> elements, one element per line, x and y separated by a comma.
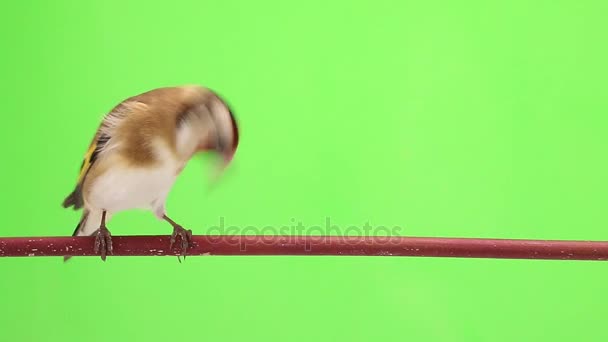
<point>95,148</point>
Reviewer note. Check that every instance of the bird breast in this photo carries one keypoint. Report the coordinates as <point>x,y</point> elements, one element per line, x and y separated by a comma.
<point>124,186</point>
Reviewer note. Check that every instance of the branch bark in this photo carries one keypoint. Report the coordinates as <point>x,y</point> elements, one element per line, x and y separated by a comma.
<point>313,245</point>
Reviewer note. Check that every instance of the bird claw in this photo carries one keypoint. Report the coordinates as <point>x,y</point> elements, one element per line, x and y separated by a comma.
<point>103,242</point>
<point>186,240</point>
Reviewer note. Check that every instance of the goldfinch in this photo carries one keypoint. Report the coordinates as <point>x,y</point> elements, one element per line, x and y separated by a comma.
<point>139,149</point>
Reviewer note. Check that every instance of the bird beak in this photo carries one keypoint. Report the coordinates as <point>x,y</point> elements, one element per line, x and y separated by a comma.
<point>226,160</point>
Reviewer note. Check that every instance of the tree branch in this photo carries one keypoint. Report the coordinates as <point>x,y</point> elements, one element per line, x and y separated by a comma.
<point>313,245</point>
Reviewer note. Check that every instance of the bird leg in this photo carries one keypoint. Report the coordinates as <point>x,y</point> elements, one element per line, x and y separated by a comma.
<point>185,235</point>
<point>103,239</point>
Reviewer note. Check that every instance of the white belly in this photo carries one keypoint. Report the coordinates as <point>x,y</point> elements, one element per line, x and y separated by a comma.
<point>129,188</point>
<point>123,188</point>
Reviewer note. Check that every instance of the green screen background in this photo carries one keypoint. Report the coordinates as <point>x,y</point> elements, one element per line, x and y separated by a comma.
<point>445,118</point>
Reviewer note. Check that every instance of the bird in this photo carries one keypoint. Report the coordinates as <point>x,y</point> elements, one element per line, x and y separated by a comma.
<point>140,148</point>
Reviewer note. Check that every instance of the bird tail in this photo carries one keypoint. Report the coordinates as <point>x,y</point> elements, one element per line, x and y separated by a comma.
<point>89,223</point>
<point>74,199</point>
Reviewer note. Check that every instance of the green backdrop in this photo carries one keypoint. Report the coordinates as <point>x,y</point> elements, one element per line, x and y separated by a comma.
<point>444,118</point>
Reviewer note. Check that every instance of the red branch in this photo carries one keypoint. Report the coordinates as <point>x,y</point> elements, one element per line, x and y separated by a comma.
<point>313,245</point>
